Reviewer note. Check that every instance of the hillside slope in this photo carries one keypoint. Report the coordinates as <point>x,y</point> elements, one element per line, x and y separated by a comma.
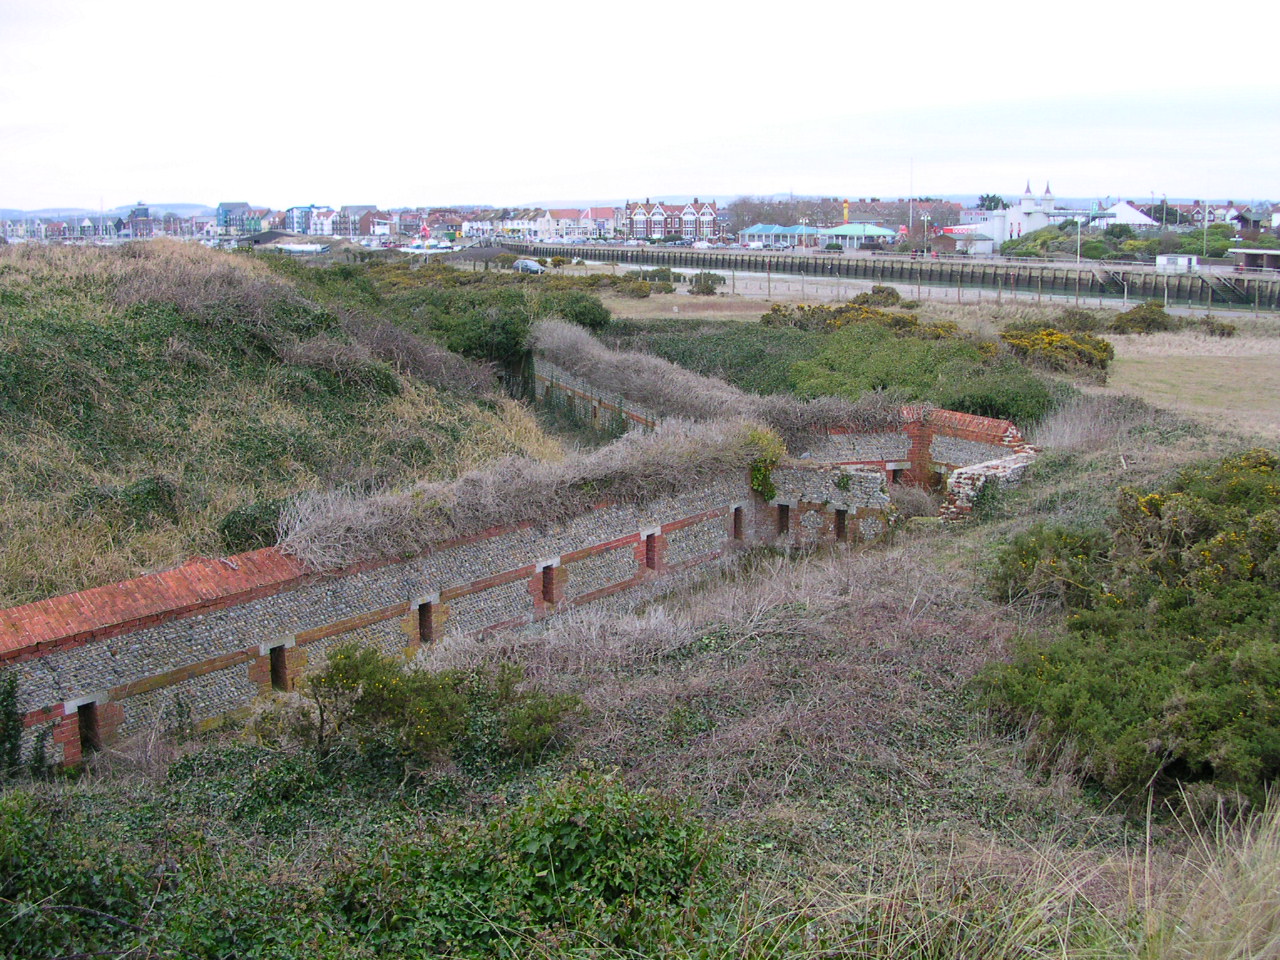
<point>157,400</point>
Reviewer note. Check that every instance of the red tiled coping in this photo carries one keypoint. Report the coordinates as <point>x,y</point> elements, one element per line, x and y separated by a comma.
<point>198,585</point>
<point>119,607</point>
<point>966,426</point>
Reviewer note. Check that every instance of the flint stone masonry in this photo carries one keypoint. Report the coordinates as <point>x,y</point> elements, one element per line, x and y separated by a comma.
<point>841,487</point>
<point>208,655</point>
<point>585,396</point>
<point>862,448</point>
<point>953,451</point>
<point>602,570</point>
<point>196,642</point>
<point>703,539</point>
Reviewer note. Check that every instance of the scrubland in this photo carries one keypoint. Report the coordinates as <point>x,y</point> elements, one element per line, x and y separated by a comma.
<point>820,755</point>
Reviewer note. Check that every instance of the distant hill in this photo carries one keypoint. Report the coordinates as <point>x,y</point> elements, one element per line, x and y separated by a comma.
<point>157,209</point>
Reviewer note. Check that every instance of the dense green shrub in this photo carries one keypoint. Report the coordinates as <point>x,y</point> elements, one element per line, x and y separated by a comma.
<point>864,357</point>
<point>635,289</point>
<point>580,308</point>
<point>749,356</point>
<point>1170,670</point>
<point>1058,566</point>
<point>659,275</point>
<point>949,371</point>
<point>1148,317</point>
<point>1002,388</point>
<point>585,863</point>
<point>423,716</point>
<point>880,295</point>
<point>704,283</point>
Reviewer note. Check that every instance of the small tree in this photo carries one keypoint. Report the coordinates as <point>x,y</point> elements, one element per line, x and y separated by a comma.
<point>992,201</point>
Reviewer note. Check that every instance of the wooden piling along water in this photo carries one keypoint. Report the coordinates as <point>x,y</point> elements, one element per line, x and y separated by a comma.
<point>1093,280</point>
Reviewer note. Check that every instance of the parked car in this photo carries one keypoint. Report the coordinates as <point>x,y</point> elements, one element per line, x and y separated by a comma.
<point>528,266</point>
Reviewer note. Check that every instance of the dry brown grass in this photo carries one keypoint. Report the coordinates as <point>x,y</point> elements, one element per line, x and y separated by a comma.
<point>330,529</point>
<point>838,675</point>
<point>199,281</point>
<point>914,501</point>
<point>1093,422</point>
<point>1233,382</point>
<point>422,359</point>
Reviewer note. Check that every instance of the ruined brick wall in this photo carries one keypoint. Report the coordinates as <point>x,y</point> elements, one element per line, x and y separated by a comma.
<point>974,452</point>
<point>204,640</point>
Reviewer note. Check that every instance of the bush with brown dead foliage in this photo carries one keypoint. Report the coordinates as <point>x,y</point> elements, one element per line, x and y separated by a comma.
<point>332,529</point>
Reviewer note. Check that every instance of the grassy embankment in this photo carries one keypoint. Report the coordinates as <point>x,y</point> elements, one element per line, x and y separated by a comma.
<point>157,401</point>
<point>846,796</point>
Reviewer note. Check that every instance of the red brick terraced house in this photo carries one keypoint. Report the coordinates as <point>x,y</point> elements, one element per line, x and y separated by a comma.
<point>693,221</point>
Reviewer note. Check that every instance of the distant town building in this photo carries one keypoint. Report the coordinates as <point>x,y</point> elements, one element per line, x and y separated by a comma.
<point>1126,213</point>
<point>322,222</point>
<point>347,223</point>
<point>298,219</point>
<point>1029,214</point>
<point>692,221</point>
<point>231,218</point>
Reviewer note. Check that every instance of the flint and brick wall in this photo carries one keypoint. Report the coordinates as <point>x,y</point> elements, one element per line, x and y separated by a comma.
<point>590,403</point>
<point>201,642</point>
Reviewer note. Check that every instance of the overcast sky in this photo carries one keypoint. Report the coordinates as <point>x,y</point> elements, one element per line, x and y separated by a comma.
<point>407,102</point>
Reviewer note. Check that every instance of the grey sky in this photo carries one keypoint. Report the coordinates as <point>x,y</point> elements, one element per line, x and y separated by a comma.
<point>397,102</point>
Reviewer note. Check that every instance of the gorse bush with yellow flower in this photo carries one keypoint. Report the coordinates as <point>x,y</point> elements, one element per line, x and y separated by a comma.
<point>1170,670</point>
<point>1052,348</point>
